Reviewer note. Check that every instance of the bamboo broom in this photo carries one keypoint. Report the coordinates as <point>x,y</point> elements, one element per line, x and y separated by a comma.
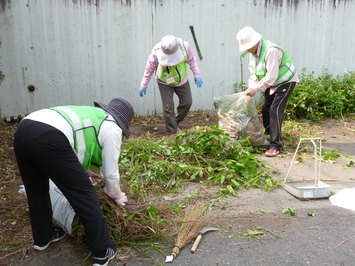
<point>194,221</point>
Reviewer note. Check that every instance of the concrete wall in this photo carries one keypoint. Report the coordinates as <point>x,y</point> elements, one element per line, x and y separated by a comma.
<point>78,51</point>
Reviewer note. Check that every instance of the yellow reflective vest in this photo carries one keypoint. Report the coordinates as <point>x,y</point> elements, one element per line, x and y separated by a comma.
<point>286,69</point>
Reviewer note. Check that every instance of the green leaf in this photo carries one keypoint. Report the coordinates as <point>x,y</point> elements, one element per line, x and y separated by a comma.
<point>290,211</point>
<point>231,190</point>
<point>176,208</point>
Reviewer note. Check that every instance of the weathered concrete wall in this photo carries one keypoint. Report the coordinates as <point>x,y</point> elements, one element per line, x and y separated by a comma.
<point>78,51</point>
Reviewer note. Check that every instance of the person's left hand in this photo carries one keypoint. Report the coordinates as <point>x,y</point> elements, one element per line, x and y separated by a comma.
<point>250,92</point>
<point>198,82</point>
<point>119,196</point>
<point>94,177</point>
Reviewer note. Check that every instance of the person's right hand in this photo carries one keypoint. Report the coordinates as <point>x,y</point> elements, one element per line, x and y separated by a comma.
<point>142,91</point>
<point>250,92</point>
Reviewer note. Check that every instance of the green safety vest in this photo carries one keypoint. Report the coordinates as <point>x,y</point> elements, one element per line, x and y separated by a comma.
<point>177,72</point>
<point>286,68</point>
<point>85,122</point>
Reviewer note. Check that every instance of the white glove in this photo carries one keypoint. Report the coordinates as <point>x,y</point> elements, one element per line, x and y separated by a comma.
<point>250,92</point>
<point>119,196</point>
<point>94,177</point>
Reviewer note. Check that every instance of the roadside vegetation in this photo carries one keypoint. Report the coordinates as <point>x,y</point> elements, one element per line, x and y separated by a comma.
<point>326,96</point>
<point>156,169</point>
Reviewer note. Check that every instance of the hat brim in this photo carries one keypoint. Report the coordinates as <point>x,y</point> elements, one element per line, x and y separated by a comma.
<point>250,44</point>
<point>122,125</point>
<point>170,59</point>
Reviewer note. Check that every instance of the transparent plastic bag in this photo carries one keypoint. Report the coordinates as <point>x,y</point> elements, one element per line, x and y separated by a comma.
<point>238,116</point>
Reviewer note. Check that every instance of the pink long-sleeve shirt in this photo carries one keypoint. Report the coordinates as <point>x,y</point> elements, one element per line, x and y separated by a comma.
<point>152,64</point>
<point>273,59</point>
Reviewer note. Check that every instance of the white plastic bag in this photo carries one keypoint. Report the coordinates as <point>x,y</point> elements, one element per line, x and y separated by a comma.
<point>238,116</point>
<point>63,213</point>
<point>345,198</point>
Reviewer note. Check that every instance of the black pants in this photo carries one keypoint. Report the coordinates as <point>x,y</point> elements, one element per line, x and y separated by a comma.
<point>273,112</point>
<point>44,153</point>
<point>167,97</point>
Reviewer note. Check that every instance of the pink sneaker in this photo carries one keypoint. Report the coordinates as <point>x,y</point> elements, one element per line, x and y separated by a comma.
<point>271,153</point>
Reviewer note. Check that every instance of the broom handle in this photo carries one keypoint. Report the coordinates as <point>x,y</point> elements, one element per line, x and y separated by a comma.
<point>197,241</point>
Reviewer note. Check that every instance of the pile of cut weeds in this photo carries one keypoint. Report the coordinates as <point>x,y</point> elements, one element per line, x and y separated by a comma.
<point>15,229</point>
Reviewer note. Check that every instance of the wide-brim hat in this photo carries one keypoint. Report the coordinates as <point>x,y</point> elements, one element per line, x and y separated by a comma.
<point>122,111</point>
<point>170,53</point>
<point>248,38</point>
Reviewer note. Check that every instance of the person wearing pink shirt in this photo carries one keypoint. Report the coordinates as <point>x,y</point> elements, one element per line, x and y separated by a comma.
<point>272,72</point>
<point>168,61</point>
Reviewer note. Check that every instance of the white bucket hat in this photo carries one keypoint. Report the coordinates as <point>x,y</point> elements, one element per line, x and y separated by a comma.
<point>247,38</point>
<point>169,53</point>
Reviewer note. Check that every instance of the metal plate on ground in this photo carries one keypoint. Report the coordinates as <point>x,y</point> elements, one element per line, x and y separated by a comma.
<point>308,190</point>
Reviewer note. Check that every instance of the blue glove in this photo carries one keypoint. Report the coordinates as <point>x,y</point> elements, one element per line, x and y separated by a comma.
<point>142,91</point>
<point>198,82</point>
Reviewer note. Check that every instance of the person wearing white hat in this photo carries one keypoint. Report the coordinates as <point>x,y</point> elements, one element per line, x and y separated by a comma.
<point>272,72</point>
<point>62,143</point>
<point>168,60</point>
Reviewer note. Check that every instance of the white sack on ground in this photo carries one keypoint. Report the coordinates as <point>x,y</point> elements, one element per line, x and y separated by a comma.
<point>345,198</point>
<point>238,116</point>
<point>63,213</point>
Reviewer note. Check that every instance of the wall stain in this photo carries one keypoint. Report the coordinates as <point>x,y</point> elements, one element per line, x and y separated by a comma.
<point>279,3</point>
<point>2,77</point>
<point>275,3</point>
<point>3,4</point>
<point>95,3</point>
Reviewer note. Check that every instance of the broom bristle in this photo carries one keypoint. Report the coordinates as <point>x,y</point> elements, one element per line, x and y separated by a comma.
<point>194,221</point>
